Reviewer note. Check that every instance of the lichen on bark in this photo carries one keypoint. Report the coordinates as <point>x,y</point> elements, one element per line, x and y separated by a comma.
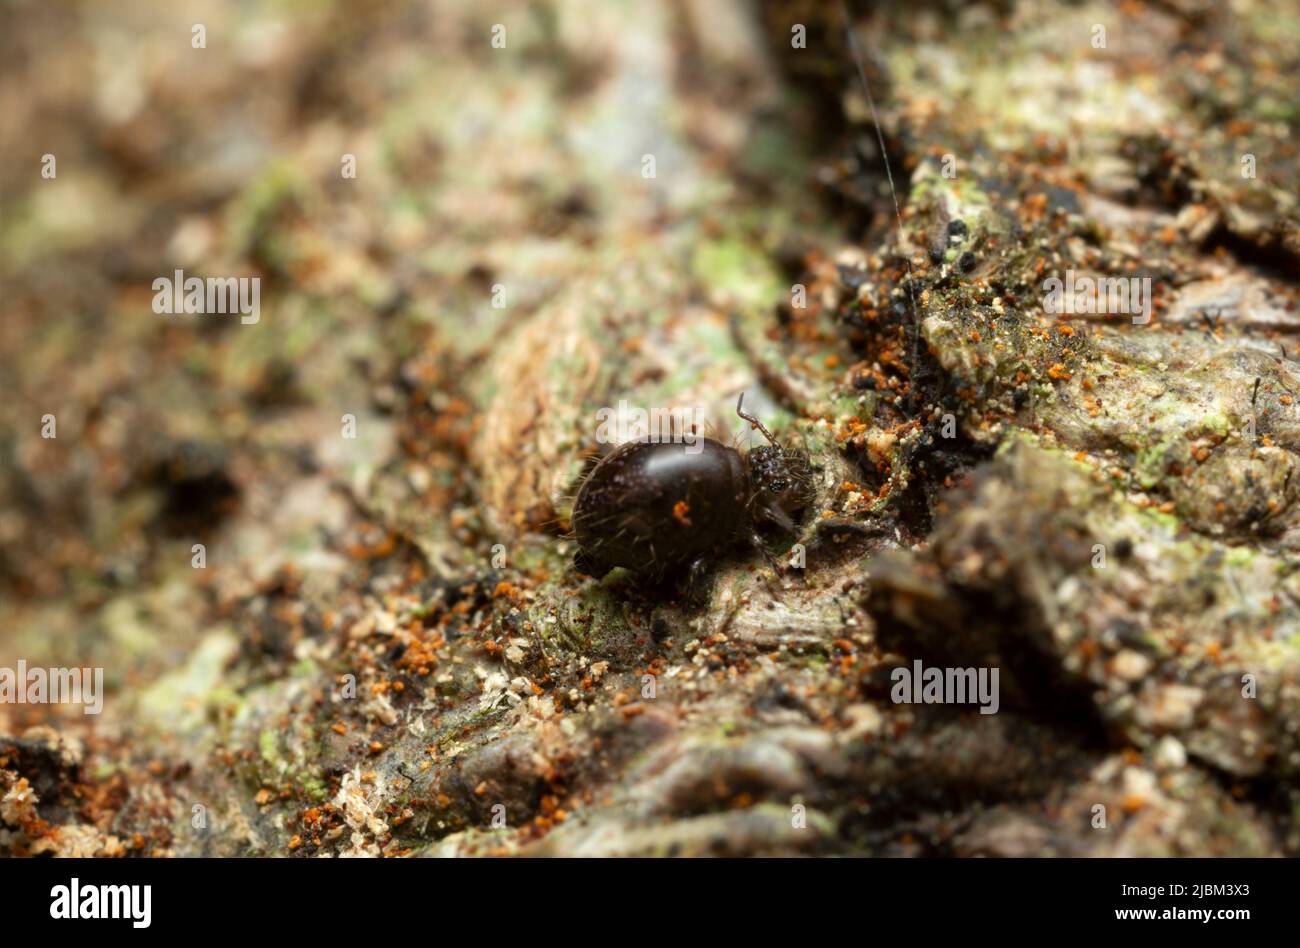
<point>389,651</point>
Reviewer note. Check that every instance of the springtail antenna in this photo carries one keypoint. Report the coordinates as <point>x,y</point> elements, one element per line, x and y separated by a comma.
<point>740,410</point>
